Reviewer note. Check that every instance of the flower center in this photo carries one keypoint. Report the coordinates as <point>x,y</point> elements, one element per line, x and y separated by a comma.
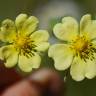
<point>24,45</point>
<point>83,48</point>
<point>80,44</point>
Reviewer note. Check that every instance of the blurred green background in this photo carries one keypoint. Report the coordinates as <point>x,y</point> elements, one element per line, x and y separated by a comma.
<point>49,12</point>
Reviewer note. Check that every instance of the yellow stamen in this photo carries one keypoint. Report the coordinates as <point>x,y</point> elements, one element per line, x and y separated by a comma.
<point>80,44</point>
<point>84,48</point>
<point>24,45</point>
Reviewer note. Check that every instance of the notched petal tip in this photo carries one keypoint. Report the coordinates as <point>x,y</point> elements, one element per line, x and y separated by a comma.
<point>7,24</point>
<point>21,15</point>
<point>26,25</point>
<point>77,69</point>
<point>66,30</point>
<point>27,64</point>
<point>34,19</point>
<point>86,17</point>
<point>85,20</point>
<point>70,19</point>
<point>61,55</point>
<point>8,30</point>
<point>29,25</point>
<point>20,19</point>
<point>12,60</point>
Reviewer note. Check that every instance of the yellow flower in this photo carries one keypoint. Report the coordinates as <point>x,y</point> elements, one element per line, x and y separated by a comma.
<point>79,50</point>
<point>23,43</point>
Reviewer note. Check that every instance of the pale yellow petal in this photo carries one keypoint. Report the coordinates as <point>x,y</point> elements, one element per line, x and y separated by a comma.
<point>20,19</point>
<point>36,60</point>
<point>85,20</point>
<point>90,71</point>
<point>12,60</point>
<point>40,36</point>
<point>8,30</point>
<point>29,25</point>
<point>6,51</point>
<point>88,26</point>
<point>66,30</point>
<point>77,69</point>
<point>27,64</point>
<point>62,56</point>
<point>9,54</point>
<point>92,29</point>
<point>42,46</point>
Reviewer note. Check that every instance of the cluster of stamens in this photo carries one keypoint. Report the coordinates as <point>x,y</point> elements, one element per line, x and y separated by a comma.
<point>83,48</point>
<point>25,46</point>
